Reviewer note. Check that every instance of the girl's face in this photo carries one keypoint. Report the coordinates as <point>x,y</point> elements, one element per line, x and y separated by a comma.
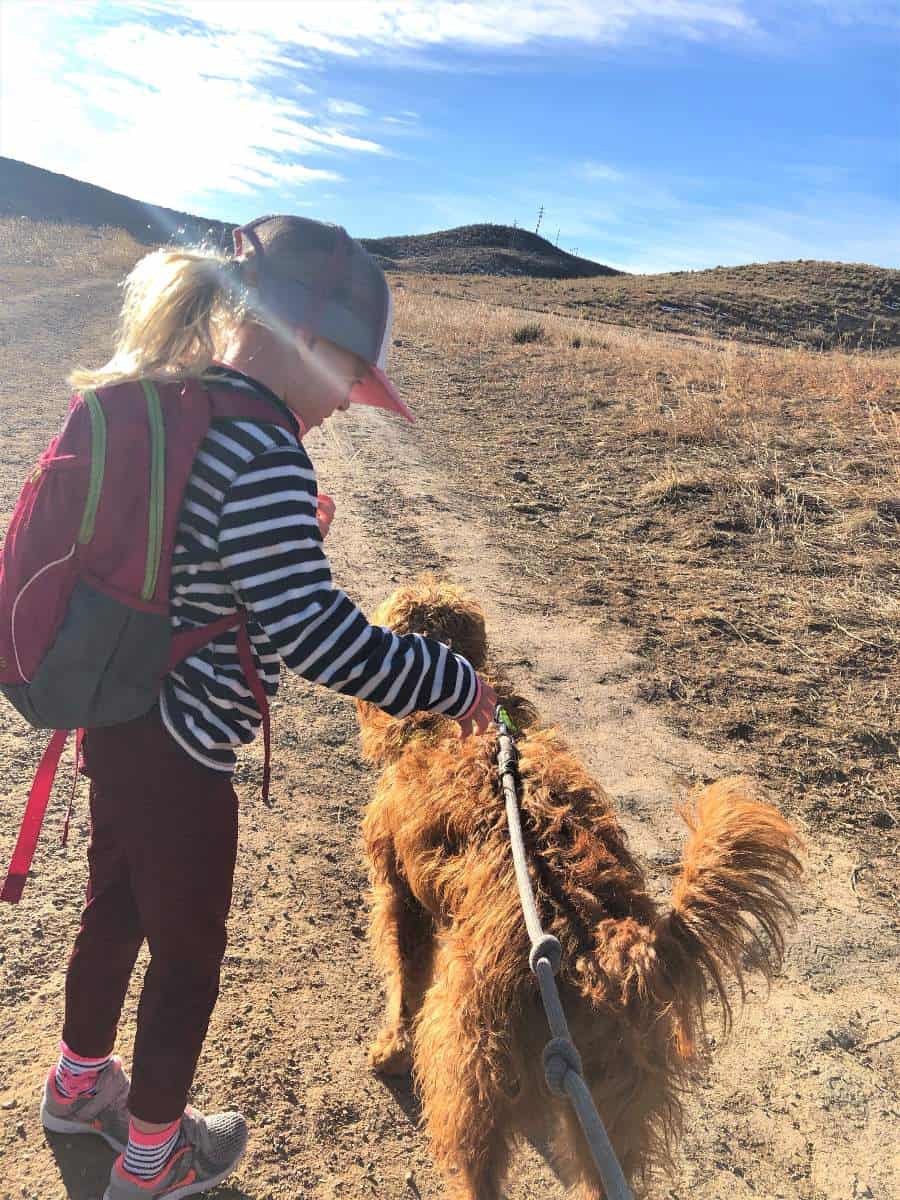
<point>322,383</point>
<point>314,377</point>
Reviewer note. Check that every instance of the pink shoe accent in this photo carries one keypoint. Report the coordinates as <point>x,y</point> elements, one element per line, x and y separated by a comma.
<point>150,1184</point>
<point>151,1139</point>
<point>58,1097</point>
<point>77,1085</point>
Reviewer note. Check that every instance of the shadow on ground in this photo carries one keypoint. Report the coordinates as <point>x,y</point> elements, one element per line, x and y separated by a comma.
<point>84,1164</point>
<point>401,1088</point>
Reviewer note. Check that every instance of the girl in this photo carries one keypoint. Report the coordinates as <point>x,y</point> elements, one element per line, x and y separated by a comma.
<point>301,315</point>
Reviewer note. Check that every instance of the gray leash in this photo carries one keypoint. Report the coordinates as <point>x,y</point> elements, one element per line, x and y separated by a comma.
<point>562,1062</point>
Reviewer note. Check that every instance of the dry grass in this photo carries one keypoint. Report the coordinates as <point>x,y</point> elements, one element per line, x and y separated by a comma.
<point>809,304</point>
<point>737,506</point>
<point>34,251</point>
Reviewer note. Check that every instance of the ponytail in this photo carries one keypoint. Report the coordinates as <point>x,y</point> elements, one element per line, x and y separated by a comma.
<point>178,304</point>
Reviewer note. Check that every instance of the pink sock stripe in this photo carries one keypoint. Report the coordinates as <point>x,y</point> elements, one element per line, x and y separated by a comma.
<point>80,1060</point>
<point>151,1140</point>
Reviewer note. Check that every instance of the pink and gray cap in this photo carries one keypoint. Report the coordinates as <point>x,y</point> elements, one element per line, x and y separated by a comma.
<point>313,276</point>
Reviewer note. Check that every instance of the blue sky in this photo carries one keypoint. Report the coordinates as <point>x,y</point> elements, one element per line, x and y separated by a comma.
<point>657,134</point>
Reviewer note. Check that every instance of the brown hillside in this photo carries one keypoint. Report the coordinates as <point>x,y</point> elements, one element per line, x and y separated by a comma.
<point>27,191</point>
<point>483,250</point>
<point>819,305</point>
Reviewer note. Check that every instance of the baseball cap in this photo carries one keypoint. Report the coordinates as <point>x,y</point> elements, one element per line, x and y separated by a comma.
<point>312,275</point>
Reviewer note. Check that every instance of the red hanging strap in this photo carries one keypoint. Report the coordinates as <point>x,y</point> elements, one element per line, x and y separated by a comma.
<point>30,828</point>
<point>184,644</point>
<point>42,785</point>
<point>251,675</point>
<point>79,739</point>
<point>190,641</point>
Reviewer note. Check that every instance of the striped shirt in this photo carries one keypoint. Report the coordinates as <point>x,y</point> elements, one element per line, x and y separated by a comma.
<point>248,536</point>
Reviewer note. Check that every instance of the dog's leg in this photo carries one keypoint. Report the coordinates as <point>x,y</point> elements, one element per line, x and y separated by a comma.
<point>460,1068</point>
<point>574,1162</point>
<point>401,934</point>
<point>572,1159</point>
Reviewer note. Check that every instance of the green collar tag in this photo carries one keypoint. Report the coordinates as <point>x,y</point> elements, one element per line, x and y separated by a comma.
<point>503,715</point>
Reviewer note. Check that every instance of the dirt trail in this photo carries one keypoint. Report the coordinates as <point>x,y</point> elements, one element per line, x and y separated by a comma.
<point>800,1103</point>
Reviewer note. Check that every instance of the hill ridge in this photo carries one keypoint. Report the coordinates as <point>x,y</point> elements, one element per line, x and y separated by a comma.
<point>483,249</point>
<point>34,192</point>
<point>818,304</point>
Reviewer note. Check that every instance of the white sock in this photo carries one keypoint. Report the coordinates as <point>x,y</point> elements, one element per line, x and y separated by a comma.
<point>147,1153</point>
<point>77,1075</point>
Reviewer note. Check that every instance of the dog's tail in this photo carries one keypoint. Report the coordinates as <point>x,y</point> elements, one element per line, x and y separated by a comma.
<point>730,904</point>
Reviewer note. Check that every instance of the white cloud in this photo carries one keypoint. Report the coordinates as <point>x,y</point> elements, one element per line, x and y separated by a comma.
<point>160,113</point>
<point>346,108</point>
<point>171,99</point>
<point>694,237</point>
<point>602,171</point>
<point>410,24</point>
<point>405,123</point>
<point>648,224</point>
<point>883,13</point>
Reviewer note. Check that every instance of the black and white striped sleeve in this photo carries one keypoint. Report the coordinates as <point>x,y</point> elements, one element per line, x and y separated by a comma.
<point>271,549</point>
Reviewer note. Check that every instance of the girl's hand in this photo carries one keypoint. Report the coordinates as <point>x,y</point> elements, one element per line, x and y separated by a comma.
<point>479,718</point>
<point>325,509</point>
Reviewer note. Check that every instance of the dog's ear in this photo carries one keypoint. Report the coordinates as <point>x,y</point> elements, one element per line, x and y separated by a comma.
<point>440,610</point>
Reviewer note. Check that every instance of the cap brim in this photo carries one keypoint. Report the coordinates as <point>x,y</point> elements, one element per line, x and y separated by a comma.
<point>376,389</point>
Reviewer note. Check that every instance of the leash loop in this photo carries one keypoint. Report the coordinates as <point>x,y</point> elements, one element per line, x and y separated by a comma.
<point>560,1057</point>
<point>547,946</point>
<point>563,1069</point>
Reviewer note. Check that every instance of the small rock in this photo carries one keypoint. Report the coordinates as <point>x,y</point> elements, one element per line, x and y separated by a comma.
<point>7,1104</point>
<point>843,1038</point>
<point>20,1129</point>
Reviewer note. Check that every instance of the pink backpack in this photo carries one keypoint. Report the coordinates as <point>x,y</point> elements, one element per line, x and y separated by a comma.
<point>85,636</point>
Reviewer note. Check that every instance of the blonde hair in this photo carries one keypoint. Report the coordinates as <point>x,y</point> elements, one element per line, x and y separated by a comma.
<point>179,303</point>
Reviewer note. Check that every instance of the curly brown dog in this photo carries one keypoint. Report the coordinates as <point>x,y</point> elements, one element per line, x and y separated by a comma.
<point>463,1008</point>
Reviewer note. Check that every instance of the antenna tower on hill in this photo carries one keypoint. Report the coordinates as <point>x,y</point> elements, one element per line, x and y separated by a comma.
<point>540,218</point>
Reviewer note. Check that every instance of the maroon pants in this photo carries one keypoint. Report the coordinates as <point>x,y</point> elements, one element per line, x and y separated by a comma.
<point>161,859</point>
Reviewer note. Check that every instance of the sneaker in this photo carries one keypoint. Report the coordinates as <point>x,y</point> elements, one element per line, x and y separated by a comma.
<point>209,1150</point>
<point>105,1113</point>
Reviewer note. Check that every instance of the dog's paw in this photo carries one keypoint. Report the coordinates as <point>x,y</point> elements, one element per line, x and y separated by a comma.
<point>389,1054</point>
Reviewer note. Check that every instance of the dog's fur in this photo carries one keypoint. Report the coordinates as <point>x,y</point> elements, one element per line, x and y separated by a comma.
<point>448,932</point>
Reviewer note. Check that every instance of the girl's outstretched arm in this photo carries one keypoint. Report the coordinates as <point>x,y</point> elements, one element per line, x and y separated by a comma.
<point>270,546</point>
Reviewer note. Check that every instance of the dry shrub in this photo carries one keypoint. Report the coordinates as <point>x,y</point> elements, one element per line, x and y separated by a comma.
<point>674,487</point>
<point>531,332</point>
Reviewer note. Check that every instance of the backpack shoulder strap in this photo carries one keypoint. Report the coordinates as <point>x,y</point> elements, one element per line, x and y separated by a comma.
<point>237,403</point>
